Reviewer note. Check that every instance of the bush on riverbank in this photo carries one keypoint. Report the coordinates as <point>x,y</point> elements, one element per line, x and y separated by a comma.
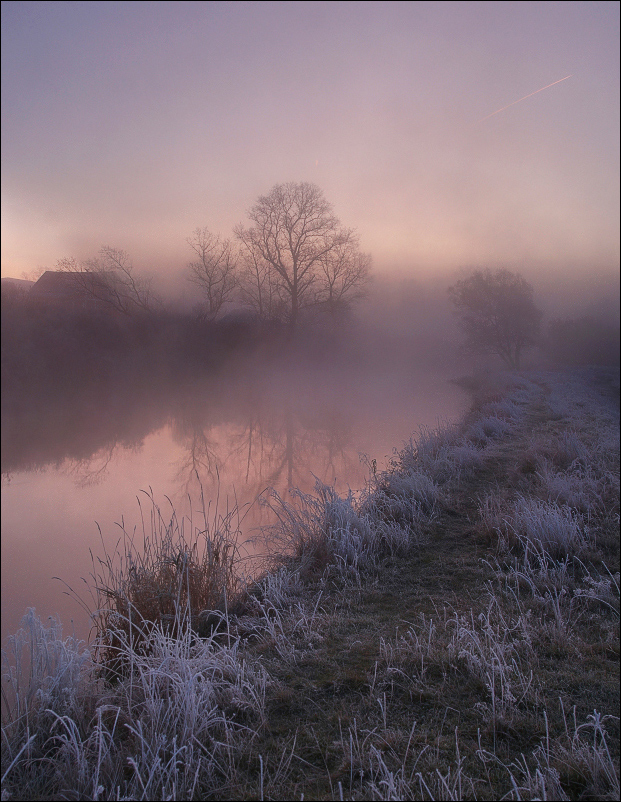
<point>450,632</point>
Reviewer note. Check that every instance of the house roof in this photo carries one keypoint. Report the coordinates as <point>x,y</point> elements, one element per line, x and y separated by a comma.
<point>60,285</point>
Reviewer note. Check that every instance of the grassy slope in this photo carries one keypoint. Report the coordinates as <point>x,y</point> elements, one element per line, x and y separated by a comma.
<point>345,683</point>
<point>453,668</point>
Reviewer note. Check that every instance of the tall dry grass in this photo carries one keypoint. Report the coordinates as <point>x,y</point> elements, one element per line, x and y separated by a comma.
<point>178,573</point>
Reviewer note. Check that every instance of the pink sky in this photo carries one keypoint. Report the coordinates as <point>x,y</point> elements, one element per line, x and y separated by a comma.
<point>130,124</point>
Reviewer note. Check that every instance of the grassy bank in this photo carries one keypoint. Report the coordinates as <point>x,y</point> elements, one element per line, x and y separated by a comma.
<point>451,631</point>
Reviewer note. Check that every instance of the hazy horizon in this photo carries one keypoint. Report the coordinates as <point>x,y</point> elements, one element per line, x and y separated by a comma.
<point>130,125</point>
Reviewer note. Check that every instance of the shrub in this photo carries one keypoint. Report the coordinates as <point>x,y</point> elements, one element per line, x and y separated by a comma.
<point>486,428</point>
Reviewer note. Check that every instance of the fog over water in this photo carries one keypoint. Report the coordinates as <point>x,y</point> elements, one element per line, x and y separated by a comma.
<point>230,436</point>
<point>94,418</point>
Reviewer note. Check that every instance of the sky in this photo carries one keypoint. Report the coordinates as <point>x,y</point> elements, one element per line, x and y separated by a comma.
<point>130,124</point>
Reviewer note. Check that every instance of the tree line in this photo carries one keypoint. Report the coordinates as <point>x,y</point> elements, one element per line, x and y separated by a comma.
<point>294,255</point>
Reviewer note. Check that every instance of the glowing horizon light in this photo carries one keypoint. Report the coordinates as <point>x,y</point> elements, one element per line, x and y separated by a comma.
<point>524,98</point>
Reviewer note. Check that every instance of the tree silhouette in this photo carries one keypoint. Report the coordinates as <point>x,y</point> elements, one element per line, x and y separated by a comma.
<point>215,270</point>
<point>110,280</point>
<point>299,254</point>
<point>497,313</point>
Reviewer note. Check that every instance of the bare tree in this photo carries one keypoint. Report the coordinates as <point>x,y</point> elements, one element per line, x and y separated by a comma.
<point>258,287</point>
<point>215,271</point>
<point>110,280</point>
<point>299,251</point>
<point>497,313</point>
<point>344,275</point>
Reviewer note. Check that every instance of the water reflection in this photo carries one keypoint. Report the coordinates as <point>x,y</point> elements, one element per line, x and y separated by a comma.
<point>268,447</point>
<point>262,439</point>
<point>228,439</point>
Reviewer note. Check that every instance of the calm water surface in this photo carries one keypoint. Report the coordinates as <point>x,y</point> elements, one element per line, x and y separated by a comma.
<point>66,488</point>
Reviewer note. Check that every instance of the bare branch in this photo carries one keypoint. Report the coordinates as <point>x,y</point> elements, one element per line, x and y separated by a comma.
<point>298,243</point>
<point>110,280</point>
<point>215,271</point>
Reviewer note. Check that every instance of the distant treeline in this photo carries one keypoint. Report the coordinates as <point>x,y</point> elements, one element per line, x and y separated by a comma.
<point>47,344</point>
<point>69,368</point>
<point>582,341</point>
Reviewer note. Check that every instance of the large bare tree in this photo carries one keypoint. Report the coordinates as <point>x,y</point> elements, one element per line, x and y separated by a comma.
<point>298,251</point>
<point>497,313</point>
<point>215,270</point>
<point>260,286</point>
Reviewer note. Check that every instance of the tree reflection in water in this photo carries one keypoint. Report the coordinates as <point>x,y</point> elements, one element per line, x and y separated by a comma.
<point>73,466</point>
<point>268,446</point>
<point>248,440</point>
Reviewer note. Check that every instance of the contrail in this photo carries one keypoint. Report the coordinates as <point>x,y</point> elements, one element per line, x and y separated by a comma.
<point>524,98</point>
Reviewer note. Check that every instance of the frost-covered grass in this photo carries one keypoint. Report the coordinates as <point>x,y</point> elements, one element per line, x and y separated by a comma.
<point>449,632</point>
<point>166,730</point>
<point>182,573</point>
<point>499,649</point>
<point>541,527</point>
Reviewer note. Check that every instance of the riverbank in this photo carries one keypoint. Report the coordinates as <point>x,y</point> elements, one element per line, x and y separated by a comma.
<point>451,631</point>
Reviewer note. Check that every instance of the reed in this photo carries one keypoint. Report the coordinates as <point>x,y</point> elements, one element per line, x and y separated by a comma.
<point>178,573</point>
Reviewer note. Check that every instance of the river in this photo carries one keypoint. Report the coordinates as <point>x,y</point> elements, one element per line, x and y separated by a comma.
<point>70,481</point>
